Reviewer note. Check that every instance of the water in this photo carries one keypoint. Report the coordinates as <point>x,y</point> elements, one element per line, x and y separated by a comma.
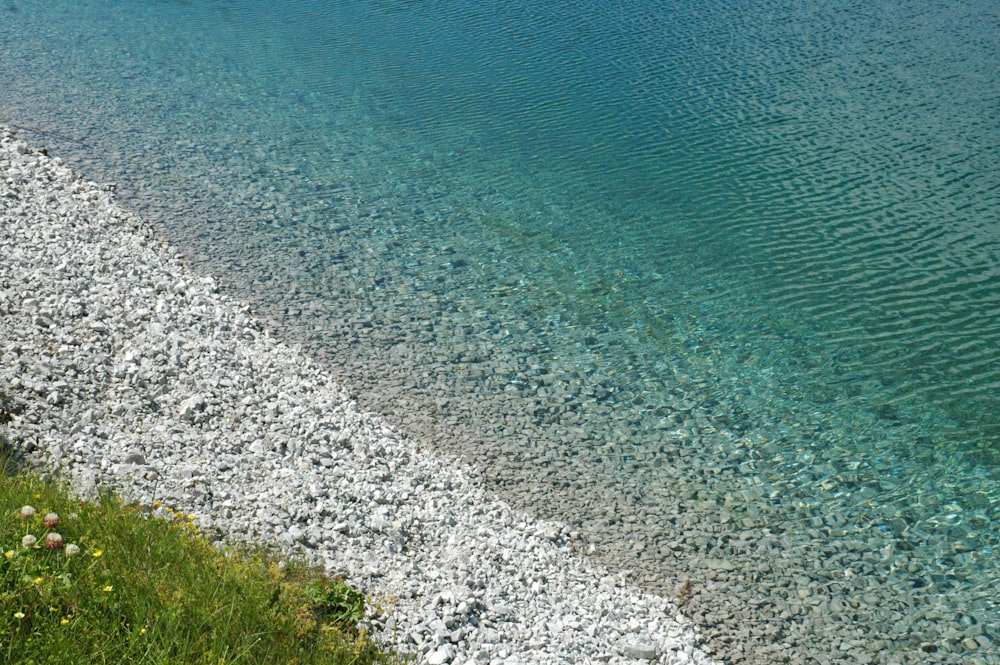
<point>758,241</point>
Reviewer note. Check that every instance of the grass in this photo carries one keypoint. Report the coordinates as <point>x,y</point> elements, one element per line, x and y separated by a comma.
<point>124,587</point>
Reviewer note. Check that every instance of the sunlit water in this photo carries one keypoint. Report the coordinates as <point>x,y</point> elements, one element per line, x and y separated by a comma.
<point>798,207</point>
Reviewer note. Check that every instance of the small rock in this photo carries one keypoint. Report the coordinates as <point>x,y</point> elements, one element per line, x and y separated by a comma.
<point>634,647</point>
<point>441,655</point>
<point>191,407</point>
<point>134,457</point>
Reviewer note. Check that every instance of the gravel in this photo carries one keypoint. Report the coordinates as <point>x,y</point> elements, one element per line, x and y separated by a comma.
<point>125,368</point>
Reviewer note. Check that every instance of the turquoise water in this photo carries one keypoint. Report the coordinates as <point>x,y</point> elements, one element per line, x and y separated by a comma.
<point>783,217</point>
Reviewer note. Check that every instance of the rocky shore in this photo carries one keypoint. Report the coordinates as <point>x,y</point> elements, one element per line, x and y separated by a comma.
<point>124,368</point>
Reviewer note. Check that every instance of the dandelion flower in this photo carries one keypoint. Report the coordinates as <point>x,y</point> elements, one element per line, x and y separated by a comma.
<point>98,553</point>
<point>53,541</point>
<point>72,549</point>
<point>27,512</point>
<point>9,554</point>
<point>51,521</point>
<point>28,541</point>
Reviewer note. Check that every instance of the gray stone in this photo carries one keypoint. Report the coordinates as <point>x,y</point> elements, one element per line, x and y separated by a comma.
<point>134,457</point>
<point>441,655</point>
<point>638,648</point>
<point>191,407</point>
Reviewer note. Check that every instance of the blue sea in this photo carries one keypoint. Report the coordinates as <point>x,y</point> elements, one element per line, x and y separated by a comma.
<point>740,259</point>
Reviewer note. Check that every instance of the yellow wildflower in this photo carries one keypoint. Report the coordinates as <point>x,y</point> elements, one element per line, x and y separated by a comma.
<point>109,588</point>
<point>98,553</point>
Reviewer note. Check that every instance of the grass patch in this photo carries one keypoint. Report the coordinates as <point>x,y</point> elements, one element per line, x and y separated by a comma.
<point>116,586</point>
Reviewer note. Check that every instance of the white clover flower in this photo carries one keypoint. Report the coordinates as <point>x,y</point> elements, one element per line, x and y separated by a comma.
<point>28,541</point>
<point>72,549</point>
<point>51,521</point>
<point>53,541</point>
<point>27,512</point>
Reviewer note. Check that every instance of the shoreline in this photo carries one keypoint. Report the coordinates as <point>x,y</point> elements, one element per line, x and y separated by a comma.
<point>210,414</point>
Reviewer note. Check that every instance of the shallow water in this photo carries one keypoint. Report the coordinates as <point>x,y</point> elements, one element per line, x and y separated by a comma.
<point>757,241</point>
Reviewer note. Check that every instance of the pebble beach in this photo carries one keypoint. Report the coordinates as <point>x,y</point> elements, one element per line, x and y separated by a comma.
<point>126,369</point>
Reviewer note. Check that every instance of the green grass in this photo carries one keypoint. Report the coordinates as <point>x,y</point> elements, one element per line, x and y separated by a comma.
<point>136,589</point>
